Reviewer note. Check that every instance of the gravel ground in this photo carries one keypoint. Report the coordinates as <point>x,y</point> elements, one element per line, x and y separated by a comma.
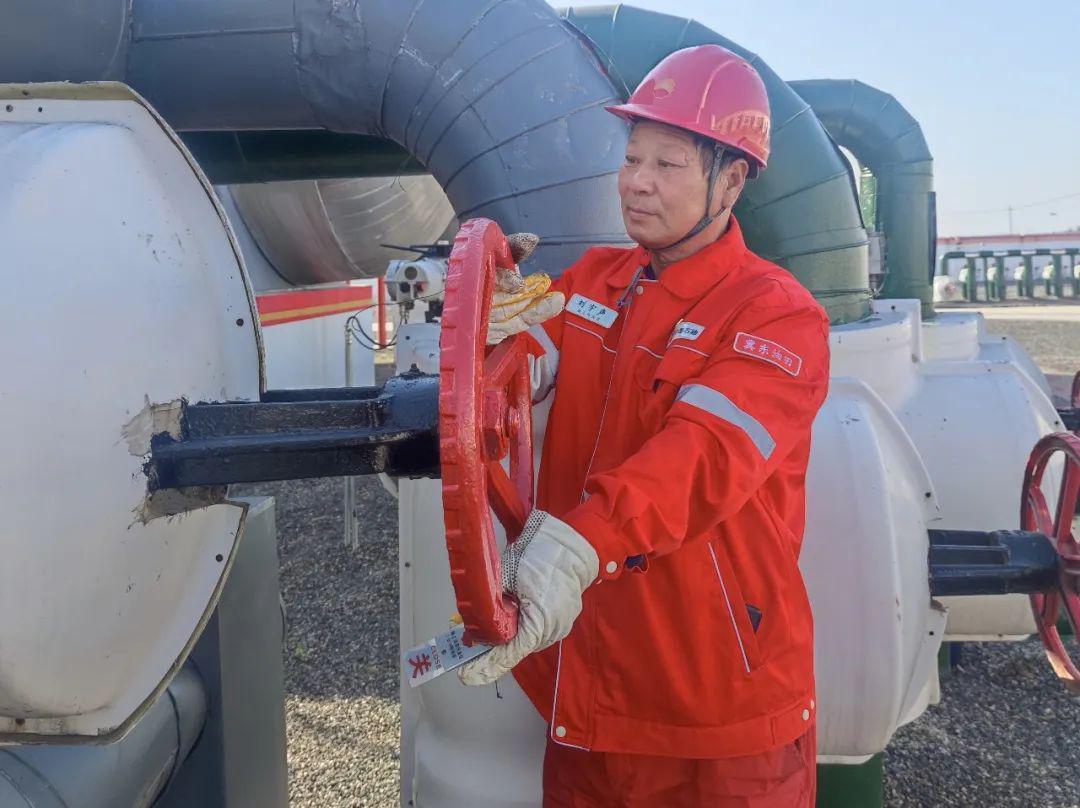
<point>1005,733</point>
<point>341,654</point>
<point>1055,345</point>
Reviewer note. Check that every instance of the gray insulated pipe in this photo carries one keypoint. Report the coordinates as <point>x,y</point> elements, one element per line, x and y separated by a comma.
<point>130,773</point>
<point>322,231</point>
<point>885,138</point>
<point>499,99</point>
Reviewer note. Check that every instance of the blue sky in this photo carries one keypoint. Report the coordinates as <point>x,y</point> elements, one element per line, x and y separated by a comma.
<point>994,84</point>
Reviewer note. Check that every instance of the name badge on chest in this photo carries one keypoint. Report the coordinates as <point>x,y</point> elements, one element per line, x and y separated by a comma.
<point>592,311</point>
<point>687,330</point>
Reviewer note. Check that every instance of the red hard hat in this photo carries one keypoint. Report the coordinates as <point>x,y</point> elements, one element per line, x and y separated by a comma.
<point>710,91</point>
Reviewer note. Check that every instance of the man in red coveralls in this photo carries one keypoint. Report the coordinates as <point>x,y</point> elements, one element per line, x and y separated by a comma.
<point>665,631</point>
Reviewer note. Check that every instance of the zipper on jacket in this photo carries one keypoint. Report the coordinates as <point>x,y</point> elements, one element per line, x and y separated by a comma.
<point>625,299</point>
<point>731,611</point>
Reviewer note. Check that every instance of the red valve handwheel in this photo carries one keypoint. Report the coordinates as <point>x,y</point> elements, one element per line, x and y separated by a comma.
<point>485,415</point>
<point>1035,515</point>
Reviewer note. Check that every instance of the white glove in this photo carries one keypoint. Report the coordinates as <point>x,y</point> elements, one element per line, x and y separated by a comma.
<point>546,308</point>
<point>518,304</point>
<point>547,568</point>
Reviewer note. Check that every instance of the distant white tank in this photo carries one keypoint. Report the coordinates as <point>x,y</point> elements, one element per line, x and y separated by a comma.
<point>947,289</point>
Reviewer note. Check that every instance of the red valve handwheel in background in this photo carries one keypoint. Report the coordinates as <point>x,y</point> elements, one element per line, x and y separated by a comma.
<point>1035,515</point>
<point>485,417</point>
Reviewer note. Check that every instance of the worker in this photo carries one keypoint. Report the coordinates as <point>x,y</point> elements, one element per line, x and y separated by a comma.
<point>967,280</point>
<point>664,628</point>
<point>1048,278</point>
<point>992,285</point>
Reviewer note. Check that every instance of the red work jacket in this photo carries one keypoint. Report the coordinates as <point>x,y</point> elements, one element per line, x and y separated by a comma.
<point>677,445</point>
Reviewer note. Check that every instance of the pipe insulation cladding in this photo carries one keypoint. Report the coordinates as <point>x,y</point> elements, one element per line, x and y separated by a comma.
<point>887,139</point>
<point>501,100</point>
<point>130,773</point>
<point>331,230</point>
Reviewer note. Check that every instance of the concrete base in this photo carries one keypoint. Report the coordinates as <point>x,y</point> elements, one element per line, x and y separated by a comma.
<point>860,786</point>
<point>239,762</point>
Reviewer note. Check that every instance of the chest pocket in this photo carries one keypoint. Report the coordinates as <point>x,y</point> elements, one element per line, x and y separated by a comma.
<point>663,376</point>
<point>583,337</point>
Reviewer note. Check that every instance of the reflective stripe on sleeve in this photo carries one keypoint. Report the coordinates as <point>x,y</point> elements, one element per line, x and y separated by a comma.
<point>551,353</point>
<point>716,403</point>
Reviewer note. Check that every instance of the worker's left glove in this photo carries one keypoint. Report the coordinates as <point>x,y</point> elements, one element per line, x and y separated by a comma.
<point>517,303</point>
<point>547,569</point>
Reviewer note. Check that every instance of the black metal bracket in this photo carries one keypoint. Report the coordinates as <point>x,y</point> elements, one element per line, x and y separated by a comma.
<point>1070,418</point>
<point>999,562</point>
<point>297,434</point>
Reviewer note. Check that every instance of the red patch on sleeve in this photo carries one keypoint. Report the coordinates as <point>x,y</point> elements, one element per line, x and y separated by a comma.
<point>768,351</point>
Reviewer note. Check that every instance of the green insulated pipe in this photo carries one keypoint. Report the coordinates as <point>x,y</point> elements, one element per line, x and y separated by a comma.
<point>803,212</point>
<point>884,137</point>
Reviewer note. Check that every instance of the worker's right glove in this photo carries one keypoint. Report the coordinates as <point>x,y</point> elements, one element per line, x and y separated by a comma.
<point>517,303</point>
<point>547,569</point>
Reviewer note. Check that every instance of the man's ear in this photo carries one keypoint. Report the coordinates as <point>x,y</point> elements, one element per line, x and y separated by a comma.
<point>733,180</point>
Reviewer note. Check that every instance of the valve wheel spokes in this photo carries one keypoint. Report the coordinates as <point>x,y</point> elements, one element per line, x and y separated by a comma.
<point>1057,523</point>
<point>506,377</point>
<point>485,434</point>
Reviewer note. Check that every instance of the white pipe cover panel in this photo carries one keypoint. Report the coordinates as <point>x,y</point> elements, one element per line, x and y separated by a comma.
<point>123,294</point>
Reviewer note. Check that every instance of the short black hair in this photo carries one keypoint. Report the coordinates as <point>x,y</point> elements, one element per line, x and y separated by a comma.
<point>706,147</point>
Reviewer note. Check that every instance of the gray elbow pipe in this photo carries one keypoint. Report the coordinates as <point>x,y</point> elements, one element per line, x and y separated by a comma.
<point>501,102</point>
<point>130,773</point>
<point>498,99</point>
<point>885,138</point>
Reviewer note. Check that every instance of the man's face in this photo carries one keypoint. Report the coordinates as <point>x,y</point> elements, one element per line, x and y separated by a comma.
<point>662,184</point>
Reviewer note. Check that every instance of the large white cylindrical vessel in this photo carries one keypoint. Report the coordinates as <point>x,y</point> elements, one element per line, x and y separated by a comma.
<point>974,405</point>
<point>982,407</point>
<point>124,295</point>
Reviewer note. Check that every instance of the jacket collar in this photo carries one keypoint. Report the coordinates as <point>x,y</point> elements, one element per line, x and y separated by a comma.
<point>692,276</point>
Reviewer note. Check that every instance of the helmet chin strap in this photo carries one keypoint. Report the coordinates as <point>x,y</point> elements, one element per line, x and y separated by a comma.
<point>708,218</point>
